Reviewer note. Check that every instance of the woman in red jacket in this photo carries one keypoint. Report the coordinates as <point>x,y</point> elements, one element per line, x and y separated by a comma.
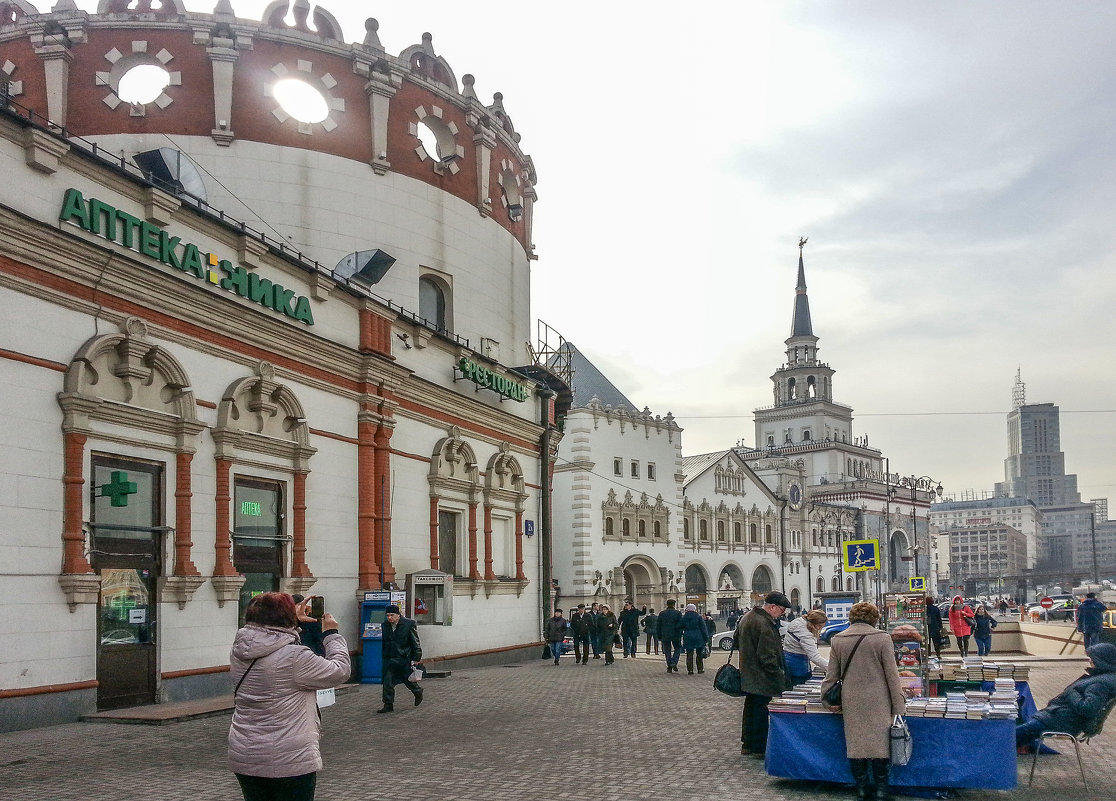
<point>961,622</point>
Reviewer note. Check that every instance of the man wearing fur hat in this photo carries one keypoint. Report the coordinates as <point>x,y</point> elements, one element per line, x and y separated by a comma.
<point>1078,707</point>
<point>401,652</point>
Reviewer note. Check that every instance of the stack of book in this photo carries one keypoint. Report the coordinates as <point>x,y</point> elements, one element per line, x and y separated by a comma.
<point>956,706</point>
<point>805,698</point>
<point>974,668</point>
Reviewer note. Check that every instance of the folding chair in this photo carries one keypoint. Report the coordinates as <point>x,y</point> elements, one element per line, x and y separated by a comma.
<point>1092,730</point>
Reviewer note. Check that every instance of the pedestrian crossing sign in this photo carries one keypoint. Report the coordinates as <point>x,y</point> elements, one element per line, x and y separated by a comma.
<point>861,555</point>
<point>918,583</point>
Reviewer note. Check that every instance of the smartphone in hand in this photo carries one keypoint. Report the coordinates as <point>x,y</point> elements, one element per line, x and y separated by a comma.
<point>317,607</point>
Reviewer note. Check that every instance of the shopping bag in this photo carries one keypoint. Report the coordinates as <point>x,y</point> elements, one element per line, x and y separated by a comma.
<point>901,743</point>
<point>416,673</point>
<point>727,680</point>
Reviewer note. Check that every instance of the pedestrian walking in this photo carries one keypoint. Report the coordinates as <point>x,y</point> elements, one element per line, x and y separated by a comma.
<point>961,622</point>
<point>607,629</point>
<point>629,627</point>
<point>556,629</point>
<point>581,625</point>
<point>401,651</point>
<point>694,636</point>
<point>762,670</point>
<point>933,627</point>
<point>670,634</point>
<point>983,623</point>
<point>273,738</point>
<point>710,630</point>
<point>1090,619</point>
<point>650,625</point>
<point>594,633</point>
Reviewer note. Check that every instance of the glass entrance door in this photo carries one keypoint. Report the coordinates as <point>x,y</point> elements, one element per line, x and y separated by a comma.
<point>126,519</point>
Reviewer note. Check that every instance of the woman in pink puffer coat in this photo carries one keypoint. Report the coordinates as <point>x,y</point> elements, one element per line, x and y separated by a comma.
<point>273,740</point>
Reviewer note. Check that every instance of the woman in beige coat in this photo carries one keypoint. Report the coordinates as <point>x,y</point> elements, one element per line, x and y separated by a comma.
<point>871,696</point>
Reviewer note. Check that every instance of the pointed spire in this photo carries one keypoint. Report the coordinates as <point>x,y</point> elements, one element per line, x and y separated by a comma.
<point>801,325</point>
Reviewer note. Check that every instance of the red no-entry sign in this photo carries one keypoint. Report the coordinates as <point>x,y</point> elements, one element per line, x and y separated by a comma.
<point>1046,603</point>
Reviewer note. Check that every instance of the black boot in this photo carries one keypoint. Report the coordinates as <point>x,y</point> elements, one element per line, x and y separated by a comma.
<point>385,708</point>
<point>860,770</point>
<point>881,772</point>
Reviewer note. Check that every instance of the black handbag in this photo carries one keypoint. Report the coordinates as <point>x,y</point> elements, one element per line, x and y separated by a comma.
<point>727,680</point>
<point>832,696</point>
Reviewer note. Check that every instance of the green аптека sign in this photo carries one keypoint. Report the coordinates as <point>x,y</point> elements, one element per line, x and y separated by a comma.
<point>152,241</point>
<point>483,377</point>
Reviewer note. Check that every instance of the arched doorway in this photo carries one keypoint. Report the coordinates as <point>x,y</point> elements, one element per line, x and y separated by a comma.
<point>697,586</point>
<point>899,561</point>
<point>641,582</point>
<point>762,580</point>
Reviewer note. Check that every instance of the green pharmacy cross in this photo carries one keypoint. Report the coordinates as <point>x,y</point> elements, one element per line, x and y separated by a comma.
<point>122,604</point>
<point>118,489</point>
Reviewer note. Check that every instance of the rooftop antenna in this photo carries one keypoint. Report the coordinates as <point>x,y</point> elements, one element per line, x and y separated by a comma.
<point>1019,391</point>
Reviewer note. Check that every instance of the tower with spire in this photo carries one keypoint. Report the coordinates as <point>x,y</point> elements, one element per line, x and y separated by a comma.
<point>804,412</point>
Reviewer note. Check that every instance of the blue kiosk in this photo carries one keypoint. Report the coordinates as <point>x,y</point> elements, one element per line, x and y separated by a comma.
<point>373,613</point>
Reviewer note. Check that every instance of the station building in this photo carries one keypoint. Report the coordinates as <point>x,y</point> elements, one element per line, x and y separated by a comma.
<point>250,349</point>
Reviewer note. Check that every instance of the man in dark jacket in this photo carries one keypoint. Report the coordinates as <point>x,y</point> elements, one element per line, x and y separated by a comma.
<point>762,674</point>
<point>401,652</point>
<point>581,626</point>
<point>651,627</point>
<point>710,629</point>
<point>669,631</point>
<point>594,634</point>
<point>629,627</point>
<point>933,627</point>
<point>1077,708</point>
<point>1090,619</point>
<point>556,634</point>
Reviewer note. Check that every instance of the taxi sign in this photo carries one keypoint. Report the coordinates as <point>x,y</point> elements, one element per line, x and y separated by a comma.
<point>861,555</point>
<point>918,583</point>
<point>1047,603</point>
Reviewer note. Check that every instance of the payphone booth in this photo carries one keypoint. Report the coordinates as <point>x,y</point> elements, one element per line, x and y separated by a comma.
<point>431,593</point>
<point>373,613</point>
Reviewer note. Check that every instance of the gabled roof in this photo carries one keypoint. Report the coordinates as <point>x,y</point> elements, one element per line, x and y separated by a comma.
<point>589,382</point>
<point>694,466</point>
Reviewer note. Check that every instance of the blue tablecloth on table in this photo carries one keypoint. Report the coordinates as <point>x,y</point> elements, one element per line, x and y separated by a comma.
<point>813,747</point>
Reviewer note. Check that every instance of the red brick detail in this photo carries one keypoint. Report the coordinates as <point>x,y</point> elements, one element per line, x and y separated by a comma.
<point>383,503</point>
<point>73,495</point>
<point>375,333</point>
<point>299,569</point>
<point>433,533</point>
<point>368,569</point>
<point>223,539</point>
<point>519,546</point>
<point>488,572</point>
<point>183,520</point>
<point>473,572</point>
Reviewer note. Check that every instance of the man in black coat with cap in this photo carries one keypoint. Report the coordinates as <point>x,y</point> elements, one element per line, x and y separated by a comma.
<point>401,652</point>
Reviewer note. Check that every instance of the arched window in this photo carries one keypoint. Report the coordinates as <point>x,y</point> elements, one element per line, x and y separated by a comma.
<point>814,533</point>
<point>752,532</point>
<point>720,531</point>
<point>820,585</point>
<point>703,529</point>
<point>642,528</point>
<point>736,532</point>
<point>625,527</point>
<point>836,584</point>
<point>849,584</point>
<point>433,302</point>
<point>610,529</point>
<point>686,527</point>
<point>658,529</point>
<point>767,534</point>
<point>806,435</point>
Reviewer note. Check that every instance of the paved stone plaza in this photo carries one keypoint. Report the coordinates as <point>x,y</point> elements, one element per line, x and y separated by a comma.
<point>516,733</point>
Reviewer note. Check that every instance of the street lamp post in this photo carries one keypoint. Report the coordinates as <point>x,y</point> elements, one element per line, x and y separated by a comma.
<point>916,484</point>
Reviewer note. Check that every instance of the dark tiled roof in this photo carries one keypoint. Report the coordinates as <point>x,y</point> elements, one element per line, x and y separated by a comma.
<point>589,382</point>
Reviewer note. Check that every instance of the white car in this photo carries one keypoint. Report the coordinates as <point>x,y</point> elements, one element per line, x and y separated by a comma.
<point>723,640</point>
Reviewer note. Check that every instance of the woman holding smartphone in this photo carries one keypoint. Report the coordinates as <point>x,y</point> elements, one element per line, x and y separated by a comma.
<point>273,740</point>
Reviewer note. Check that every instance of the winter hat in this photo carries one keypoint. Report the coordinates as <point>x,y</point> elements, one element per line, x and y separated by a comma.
<point>1103,655</point>
<point>691,607</point>
<point>392,610</point>
<point>778,599</point>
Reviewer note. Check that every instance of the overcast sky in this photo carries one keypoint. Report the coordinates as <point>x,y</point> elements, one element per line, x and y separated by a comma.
<point>952,164</point>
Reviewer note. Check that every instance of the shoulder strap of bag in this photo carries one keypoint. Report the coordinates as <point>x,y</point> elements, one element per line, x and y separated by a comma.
<point>244,675</point>
<point>852,653</point>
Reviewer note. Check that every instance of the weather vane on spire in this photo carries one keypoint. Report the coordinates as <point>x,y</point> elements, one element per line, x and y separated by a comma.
<point>801,243</point>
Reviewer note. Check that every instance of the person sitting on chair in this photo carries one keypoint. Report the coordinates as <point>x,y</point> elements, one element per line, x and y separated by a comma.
<point>1076,708</point>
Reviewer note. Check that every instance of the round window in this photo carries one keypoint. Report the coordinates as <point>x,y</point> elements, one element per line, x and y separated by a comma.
<point>301,100</point>
<point>142,84</point>
<point>429,141</point>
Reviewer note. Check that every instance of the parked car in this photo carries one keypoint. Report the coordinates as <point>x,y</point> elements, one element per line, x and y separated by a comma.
<point>723,640</point>
<point>831,629</point>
